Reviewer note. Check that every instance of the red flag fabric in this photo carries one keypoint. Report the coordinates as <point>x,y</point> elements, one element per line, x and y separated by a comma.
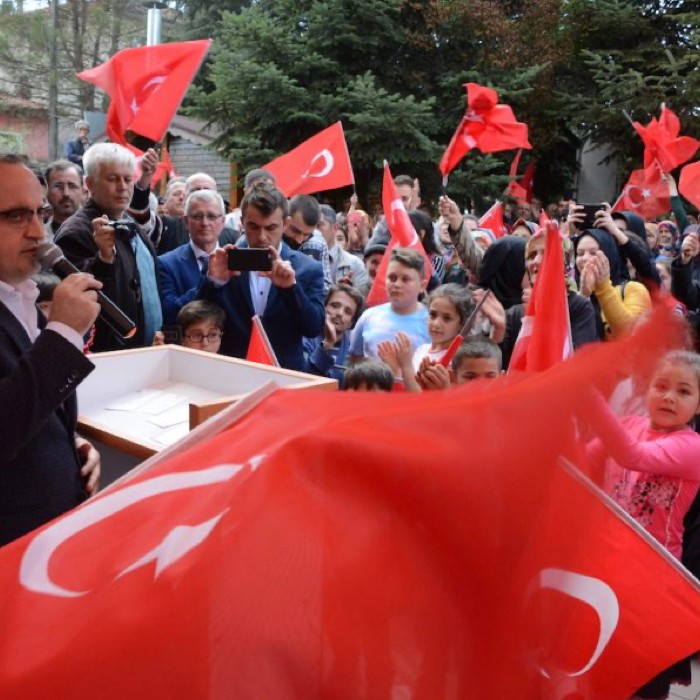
<point>645,193</point>
<point>308,552</point>
<point>662,143</point>
<point>486,125</point>
<point>544,219</point>
<point>320,163</point>
<point>403,235</point>
<point>544,339</point>
<point>493,220</point>
<point>259,348</point>
<point>689,183</point>
<point>146,86</point>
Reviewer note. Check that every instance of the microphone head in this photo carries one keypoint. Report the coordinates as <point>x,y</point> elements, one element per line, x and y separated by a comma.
<point>48,254</point>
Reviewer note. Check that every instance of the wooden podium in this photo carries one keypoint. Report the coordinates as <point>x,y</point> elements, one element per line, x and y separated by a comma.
<point>140,401</point>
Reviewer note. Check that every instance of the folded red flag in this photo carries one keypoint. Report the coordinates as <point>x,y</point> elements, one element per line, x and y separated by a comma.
<point>689,183</point>
<point>662,143</point>
<point>403,235</point>
<point>545,338</point>
<point>307,551</point>
<point>493,220</point>
<point>259,347</point>
<point>146,86</point>
<point>487,125</point>
<point>320,163</point>
<point>645,193</point>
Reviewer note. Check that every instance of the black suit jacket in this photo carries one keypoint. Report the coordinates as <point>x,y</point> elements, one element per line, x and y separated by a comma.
<point>39,467</point>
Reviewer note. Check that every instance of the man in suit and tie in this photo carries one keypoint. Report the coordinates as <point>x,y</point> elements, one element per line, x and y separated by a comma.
<point>288,299</point>
<point>181,271</point>
<point>45,469</point>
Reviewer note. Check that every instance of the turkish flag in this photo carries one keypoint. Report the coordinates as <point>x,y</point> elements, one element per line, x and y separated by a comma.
<point>259,348</point>
<point>544,219</point>
<point>146,86</point>
<point>403,235</point>
<point>493,220</point>
<point>545,337</point>
<point>305,551</point>
<point>486,125</point>
<point>662,143</point>
<point>689,183</point>
<point>320,163</point>
<point>645,193</point>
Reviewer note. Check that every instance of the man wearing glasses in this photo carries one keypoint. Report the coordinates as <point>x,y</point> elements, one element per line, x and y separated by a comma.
<point>46,470</point>
<point>181,271</point>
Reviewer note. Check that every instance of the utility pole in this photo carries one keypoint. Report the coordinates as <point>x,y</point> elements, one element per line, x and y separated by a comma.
<point>153,26</point>
<point>53,82</point>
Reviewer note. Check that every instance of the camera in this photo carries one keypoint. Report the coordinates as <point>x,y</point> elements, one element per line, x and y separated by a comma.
<point>122,228</point>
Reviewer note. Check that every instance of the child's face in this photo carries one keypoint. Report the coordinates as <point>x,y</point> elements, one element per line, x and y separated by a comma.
<point>340,310</point>
<point>403,285</point>
<point>203,335</point>
<point>673,397</point>
<point>362,386</point>
<point>444,323</point>
<point>471,368</point>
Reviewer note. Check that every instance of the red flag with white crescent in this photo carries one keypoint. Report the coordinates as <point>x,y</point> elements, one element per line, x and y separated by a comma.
<point>645,193</point>
<point>403,235</point>
<point>146,86</point>
<point>320,163</point>
<point>306,551</point>
<point>493,220</point>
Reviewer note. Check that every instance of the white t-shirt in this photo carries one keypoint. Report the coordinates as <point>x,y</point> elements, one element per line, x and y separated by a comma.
<point>382,323</point>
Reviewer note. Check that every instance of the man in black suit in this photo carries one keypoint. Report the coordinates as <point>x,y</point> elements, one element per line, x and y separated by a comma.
<point>45,469</point>
<point>288,299</point>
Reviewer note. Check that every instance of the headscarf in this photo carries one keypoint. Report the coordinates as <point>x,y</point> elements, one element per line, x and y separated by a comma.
<point>618,269</point>
<point>634,222</point>
<point>503,268</point>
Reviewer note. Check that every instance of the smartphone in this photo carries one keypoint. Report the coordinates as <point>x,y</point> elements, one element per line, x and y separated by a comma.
<point>589,212</point>
<point>250,260</point>
<point>172,334</point>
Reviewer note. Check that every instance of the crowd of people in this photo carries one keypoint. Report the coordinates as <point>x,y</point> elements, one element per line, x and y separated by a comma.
<point>166,265</point>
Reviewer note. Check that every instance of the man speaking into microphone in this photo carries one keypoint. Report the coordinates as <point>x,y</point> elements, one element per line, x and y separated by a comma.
<point>45,469</point>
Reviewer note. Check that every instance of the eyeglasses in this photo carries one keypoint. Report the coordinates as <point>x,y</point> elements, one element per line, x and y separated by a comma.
<point>200,217</point>
<point>61,186</point>
<point>199,337</point>
<point>23,217</point>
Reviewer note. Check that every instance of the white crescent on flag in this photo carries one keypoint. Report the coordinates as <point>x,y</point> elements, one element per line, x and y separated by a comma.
<point>327,157</point>
<point>34,567</point>
<point>153,81</point>
<point>593,592</point>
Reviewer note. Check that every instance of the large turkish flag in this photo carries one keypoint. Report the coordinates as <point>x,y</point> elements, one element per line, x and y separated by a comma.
<point>346,545</point>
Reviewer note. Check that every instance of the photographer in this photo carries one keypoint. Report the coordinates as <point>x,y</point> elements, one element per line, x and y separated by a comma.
<point>101,238</point>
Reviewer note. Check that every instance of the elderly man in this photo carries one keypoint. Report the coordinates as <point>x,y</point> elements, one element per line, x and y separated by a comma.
<point>101,238</point>
<point>65,191</point>
<point>288,299</point>
<point>45,469</point>
<point>181,271</point>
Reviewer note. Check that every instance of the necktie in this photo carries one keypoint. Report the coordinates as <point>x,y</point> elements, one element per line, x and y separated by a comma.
<point>203,264</point>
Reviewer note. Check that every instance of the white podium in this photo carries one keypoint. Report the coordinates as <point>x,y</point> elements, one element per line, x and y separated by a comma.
<point>138,402</point>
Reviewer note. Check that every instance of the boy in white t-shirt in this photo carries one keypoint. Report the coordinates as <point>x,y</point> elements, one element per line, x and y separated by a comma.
<point>404,313</point>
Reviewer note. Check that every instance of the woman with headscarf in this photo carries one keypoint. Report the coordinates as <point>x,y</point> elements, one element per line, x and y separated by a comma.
<point>503,268</point>
<point>602,276</point>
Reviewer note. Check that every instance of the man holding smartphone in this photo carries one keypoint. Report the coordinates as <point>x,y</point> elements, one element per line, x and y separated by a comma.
<point>288,298</point>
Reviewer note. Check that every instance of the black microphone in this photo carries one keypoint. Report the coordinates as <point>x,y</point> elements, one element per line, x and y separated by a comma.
<point>51,257</point>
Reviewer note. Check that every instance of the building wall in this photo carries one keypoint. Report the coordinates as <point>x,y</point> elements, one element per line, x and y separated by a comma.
<point>189,158</point>
<point>28,135</point>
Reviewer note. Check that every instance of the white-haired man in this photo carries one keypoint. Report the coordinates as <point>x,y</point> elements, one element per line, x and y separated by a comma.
<point>182,271</point>
<point>119,255</point>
